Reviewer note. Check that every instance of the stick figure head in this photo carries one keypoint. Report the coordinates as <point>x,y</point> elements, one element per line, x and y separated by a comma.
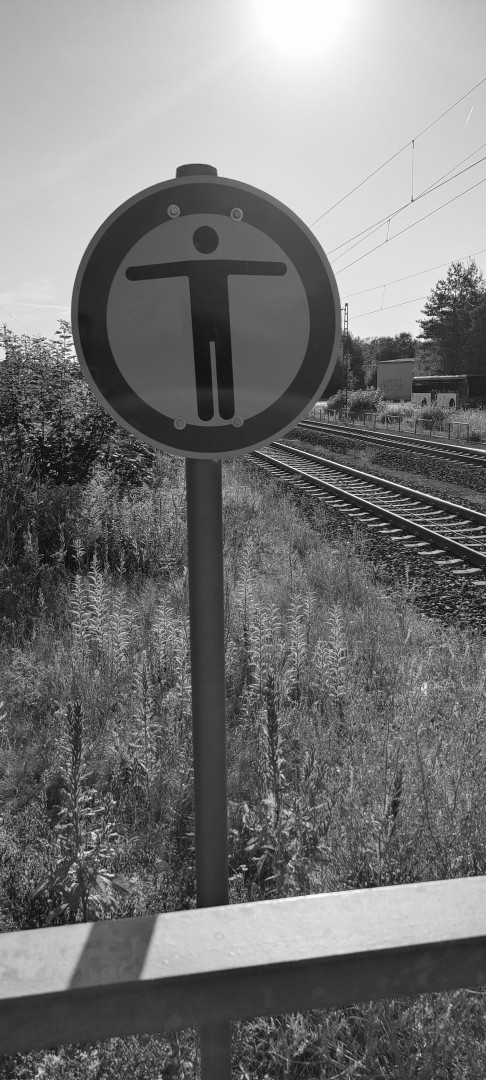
<point>205,239</point>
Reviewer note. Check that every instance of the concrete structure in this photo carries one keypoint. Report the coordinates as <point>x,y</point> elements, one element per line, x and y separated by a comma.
<point>93,981</point>
<point>394,378</point>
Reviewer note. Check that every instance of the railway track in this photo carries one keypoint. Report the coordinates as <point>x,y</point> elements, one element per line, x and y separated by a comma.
<point>452,536</point>
<point>450,452</point>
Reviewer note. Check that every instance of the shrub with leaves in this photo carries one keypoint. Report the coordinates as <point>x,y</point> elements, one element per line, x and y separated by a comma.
<point>144,744</point>
<point>80,883</point>
<point>99,619</point>
<point>285,833</point>
<point>358,401</point>
<point>330,664</point>
<point>47,409</point>
<point>435,413</point>
<point>297,666</point>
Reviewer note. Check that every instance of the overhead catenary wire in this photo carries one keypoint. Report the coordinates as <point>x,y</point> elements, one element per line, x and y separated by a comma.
<point>384,284</point>
<point>395,155</point>
<point>388,307</point>
<point>376,225</point>
<point>461,162</point>
<point>365,233</point>
<point>5,312</point>
<point>412,225</point>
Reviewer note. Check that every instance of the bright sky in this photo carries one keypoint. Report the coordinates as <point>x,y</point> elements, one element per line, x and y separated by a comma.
<point>103,98</point>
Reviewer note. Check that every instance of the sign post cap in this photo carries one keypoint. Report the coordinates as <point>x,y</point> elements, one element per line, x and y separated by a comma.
<point>195,170</point>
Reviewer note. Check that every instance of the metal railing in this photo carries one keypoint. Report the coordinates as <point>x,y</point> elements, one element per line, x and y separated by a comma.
<point>459,424</point>
<point>120,977</point>
<point>423,427</point>
<point>459,428</point>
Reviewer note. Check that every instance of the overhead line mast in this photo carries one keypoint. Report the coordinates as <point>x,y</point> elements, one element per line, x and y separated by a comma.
<point>345,353</point>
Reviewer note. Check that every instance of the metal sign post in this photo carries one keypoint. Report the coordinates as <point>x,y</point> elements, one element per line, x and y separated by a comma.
<point>206,320</point>
<point>206,609</point>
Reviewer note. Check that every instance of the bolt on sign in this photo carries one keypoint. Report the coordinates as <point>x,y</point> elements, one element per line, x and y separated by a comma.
<point>206,316</point>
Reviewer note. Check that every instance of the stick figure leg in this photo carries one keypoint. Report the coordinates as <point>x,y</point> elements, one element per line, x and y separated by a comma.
<point>204,382</point>
<point>224,371</point>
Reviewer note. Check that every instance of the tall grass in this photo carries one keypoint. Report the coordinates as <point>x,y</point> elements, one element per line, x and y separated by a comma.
<point>80,883</point>
<point>355,757</point>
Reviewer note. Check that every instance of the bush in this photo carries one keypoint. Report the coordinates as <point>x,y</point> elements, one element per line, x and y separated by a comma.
<point>435,413</point>
<point>362,401</point>
<point>359,401</point>
<point>403,409</point>
<point>337,402</point>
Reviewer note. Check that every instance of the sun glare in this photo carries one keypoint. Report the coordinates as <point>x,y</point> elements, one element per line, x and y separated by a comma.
<point>301,26</point>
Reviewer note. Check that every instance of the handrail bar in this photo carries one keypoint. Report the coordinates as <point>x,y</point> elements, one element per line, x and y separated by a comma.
<point>92,981</point>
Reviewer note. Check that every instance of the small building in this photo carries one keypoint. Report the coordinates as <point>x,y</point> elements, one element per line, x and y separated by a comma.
<point>394,378</point>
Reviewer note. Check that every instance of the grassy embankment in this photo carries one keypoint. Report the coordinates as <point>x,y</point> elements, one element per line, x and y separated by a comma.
<point>355,752</point>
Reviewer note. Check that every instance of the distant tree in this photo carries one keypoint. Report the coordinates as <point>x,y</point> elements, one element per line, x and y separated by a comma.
<point>63,341</point>
<point>395,348</point>
<point>349,367</point>
<point>478,344</point>
<point>405,345</point>
<point>337,378</point>
<point>448,318</point>
<point>428,359</point>
<point>355,363</point>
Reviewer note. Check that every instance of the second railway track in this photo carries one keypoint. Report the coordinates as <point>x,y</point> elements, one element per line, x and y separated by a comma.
<point>437,533</point>
<point>462,455</point>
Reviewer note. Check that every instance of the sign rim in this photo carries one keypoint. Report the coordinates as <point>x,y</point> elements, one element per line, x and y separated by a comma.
<point>224,440</point>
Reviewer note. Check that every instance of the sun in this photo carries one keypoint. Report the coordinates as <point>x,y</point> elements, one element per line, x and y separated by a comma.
<point>301,27</point>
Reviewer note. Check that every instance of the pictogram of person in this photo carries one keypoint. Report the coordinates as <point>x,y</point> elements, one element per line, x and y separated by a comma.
<point>210,314</point>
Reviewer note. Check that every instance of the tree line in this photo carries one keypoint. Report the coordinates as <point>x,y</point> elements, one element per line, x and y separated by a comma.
<point>452,338</point>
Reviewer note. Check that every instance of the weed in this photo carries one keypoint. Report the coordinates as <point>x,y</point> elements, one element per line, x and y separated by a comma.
<point>355,749</point>
<point>80,884</point>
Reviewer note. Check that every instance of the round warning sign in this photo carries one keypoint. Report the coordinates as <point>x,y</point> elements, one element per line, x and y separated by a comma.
<point>206,317</point>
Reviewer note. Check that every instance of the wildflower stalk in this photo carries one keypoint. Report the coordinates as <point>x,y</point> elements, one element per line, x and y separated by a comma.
<point>79,881</point>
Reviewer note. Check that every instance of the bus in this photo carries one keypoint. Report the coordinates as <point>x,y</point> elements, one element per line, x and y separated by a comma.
<point>450,391</point>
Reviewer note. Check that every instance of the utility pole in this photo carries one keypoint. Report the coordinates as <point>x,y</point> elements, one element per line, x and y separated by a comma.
<point>4,341</point>
<point>344,367</point>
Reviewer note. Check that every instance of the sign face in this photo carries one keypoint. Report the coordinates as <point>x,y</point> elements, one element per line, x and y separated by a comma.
<point>206,317</point>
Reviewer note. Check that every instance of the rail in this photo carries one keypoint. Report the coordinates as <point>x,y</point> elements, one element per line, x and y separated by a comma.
<point>93,981</point>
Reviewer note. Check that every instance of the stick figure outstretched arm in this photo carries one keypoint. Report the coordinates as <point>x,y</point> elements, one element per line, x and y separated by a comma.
<point>260,268</point>
<point>158,270</point>
<point>187,267</point>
